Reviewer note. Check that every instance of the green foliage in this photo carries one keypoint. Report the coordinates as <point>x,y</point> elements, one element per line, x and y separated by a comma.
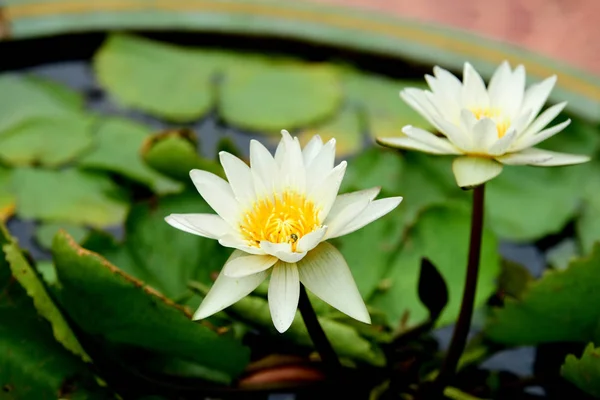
<point>7,198</point>
<point>345,127</point>
<point>584,372</point>
<point>103,300</point>
<point>45,232</point>
<point>562,306</point>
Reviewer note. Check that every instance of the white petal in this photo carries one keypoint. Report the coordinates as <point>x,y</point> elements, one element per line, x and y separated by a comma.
<point>284,293</point>
<point>515,92</point>
<point>447,90</point>
<point>417,99</point>
<point>499,96</point>
<point>473,171</point>
<point>236,242</point>
<point>309,241</point>
<point>208,225</point>
<point>532,140</point>
<point>325,193</point>
<point>542,158</point>
<point>226,291</point>
<point>502,144</point>
<point>459,137</point>
<point>244,264</point>
<point>325,273</point>
<point>265,171</point>
<point>345,209</point>
<point>519,124</point>
<point>448,83</point>
<point>239,177</point>
<point>292,174</point>
<point>411,144</point>
<point>280,153</point>
<point>373,211</point>
<point>320,165</point>
<point>485,134</point>
<point>283,251</point>
<point>430,139</point>
<point>544,119</point>
<point>311,149</point>
<point>474,93</point>
<point>535,97</point>
<point>217,193</point>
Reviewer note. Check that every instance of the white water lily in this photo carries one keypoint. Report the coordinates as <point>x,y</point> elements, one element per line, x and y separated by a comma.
<point>277,214</point>
<point>488,127</point>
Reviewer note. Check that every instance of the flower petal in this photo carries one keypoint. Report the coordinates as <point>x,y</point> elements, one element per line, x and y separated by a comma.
<point>309,241</point>
<point>411,144</point>
<point>325,193</point>
<point>373,211</point>
<point>244,264</point>
<point>544,119</point>
<point>515,92</point>
<point>536,95</point>
<point>473,171</point>
<point>346,208</point>
<point>292,174</point>
<point>239,177</point>
<point>236,242</point>
<point>208,225</point>
<point>283,251</point>
<point>532,140</point>
<point>320,165</point>
<point>499,96</point>
<point>418,100</point>
<point>542,158</point>
<point>474,93</point>
<point>457,136</point>
<point>325,273</point>
<point>265,171</point>
<point>217,193</point>
<point>284,294</point>
<point>226,291</point>
<point>311,149</point>
<point>503,143</point>
<point>485,134</point>
<point>430,139</point>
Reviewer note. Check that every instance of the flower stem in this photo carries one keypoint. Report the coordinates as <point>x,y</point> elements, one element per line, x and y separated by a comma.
<point>461,330</point>
<point>317,335</point>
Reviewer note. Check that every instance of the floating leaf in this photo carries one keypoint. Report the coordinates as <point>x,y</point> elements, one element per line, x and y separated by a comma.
<point>59,93</point>
<point>44,233</point>
<point>562,306</point>
<point>47,140</point>
<point>163,80</point>
<point>33,364</point>
<point>386,113</point>
<point>174,154</point>
<point>527,203</point>
<point>119,143</point>
<point>7,198</point>
<point>344,127</point>
<point>281,96</point>
<point>162,256</point>
<point>442,235</point>
<point>69,195</point>
<point>584,372</point>
<point>587,226</point>
<point>105,301</point>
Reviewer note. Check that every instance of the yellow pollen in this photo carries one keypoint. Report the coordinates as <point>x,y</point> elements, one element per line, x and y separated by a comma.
<point>502,123</point>
<point>285,218</point>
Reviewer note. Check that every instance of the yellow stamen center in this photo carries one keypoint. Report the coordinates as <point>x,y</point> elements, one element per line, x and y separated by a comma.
<point>502,123</point>
<point>284,218</point>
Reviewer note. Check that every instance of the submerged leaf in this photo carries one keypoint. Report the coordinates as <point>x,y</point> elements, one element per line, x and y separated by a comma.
<point>119,143</point>
<point>69,195</point>
<point>271,97</point>
<point>584,372</point>
<point>161,79</point>
<point>562,306</point>
<point>105,301</point>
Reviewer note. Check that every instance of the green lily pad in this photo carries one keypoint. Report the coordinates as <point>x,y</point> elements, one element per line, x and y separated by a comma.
<point>442,235</point>
<point>161,79</point>
<point>69,195</point>
<point>163,257</point>
<point>584,372</point>
<point>587,226</point>
<point>7,198</point>
<point>344,127</point>
<point>385,112</point>
<point>119,143</point>
<point>105,301</point>
<point>34,365</point>
<point>173,153</point>
<point>279,96</point>
<point>46,140</point>
<point>562,306</point>
<point>60,93</point>
<point>527,203</point>
<point>44,233</point>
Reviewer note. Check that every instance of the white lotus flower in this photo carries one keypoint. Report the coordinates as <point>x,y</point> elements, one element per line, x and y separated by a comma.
<point>277,215</point>
<point>487,127</point>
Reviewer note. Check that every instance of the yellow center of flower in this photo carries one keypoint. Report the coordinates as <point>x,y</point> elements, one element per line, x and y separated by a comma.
<point>502,123</point>
<point>284,218</point>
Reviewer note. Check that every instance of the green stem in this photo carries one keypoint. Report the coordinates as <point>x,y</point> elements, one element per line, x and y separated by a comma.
<point>317,335</point>
<point>463,325</point>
